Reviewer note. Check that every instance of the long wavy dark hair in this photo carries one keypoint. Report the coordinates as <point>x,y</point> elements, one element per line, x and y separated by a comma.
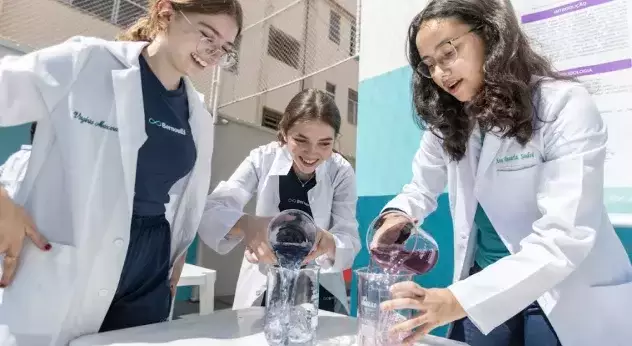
<point>508,99</point>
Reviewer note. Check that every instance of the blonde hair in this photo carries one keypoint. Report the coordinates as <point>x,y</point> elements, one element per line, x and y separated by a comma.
<point>146,27</point>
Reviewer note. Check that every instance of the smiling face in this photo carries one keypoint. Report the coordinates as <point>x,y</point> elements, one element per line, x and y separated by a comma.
<point>196,41</point>
<point>310,142</point>
<point>452,55</point>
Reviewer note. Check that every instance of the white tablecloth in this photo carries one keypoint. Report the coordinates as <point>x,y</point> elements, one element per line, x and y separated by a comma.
<point>230,328</point>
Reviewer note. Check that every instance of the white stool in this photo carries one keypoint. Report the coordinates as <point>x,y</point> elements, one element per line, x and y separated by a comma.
<point>204,278</point>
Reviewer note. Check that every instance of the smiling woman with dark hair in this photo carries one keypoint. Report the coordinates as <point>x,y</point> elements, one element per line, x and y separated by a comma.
<point>300,171</point>
<point>521,149</point>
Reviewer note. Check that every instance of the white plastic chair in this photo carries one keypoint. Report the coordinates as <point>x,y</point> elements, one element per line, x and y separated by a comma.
<point>204,278</point>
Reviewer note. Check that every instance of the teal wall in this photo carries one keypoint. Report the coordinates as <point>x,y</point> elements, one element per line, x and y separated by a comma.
<point>11,138</point>
<point>387,139</point>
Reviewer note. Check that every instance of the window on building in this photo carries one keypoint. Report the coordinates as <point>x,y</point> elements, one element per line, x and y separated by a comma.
<point>119,12</point>
<point>270,118</point>
<point>283,47</point>
<point>331,89</point>
<point>352,107</point>
<point>352,40</point>
<point>334,26</point>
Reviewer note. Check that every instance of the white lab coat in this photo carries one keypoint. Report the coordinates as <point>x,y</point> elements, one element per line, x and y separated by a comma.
<point>546,203</point>
<point>333,203</point>
<point>86,97</point>
<point>13,170</point>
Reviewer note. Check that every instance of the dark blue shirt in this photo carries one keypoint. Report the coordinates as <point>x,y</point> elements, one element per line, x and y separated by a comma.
<point>293,192</point>
<point>169,152</point>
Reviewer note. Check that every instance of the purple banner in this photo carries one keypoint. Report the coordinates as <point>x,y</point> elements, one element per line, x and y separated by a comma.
<point>558,11</point>
<point>601,68</point>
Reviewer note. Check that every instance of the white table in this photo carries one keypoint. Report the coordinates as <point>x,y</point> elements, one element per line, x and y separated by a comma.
<point>204,278</point>
<point>230,328</point>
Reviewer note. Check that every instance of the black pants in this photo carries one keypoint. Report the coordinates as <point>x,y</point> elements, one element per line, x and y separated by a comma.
<point>530,327</point>
<point>143,295</point>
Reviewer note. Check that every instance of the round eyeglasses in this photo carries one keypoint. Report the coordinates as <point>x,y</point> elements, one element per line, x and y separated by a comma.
<point>210,49</point>
<point>446,55</point>
<point>212,52</point>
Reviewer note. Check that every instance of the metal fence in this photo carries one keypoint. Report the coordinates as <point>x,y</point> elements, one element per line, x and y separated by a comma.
<point>285,43</point>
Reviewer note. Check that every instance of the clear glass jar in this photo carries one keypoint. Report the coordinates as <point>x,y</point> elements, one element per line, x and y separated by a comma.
<point>291,315</point>
<point>292,235</point>
<point>373,324</point>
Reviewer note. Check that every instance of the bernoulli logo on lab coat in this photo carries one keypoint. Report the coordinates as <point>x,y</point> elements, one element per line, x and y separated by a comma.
<point>159,123</point>
<point>86,120</point>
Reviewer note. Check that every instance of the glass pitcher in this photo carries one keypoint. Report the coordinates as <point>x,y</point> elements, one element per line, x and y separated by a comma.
<point>292,235</point>
<point>291,315</point>
<point>374,324</point>
<point>397,244</point>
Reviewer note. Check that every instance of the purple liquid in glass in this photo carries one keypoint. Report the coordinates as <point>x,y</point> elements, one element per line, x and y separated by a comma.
<point>395,257</point>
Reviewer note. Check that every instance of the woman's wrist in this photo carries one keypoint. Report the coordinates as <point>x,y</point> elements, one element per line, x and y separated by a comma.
<point>238,229</point>
<point>3,193</point>
<point>331,245</point>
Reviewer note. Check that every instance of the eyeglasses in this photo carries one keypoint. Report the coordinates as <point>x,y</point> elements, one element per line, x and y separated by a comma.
<point>447,55</point>
<point>210,49</point>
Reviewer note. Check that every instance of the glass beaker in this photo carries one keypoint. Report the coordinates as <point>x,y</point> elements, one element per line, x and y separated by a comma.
<point>397,243</point>
<point>374,324</point>
<point>291,315</point>
<point>292,235</point>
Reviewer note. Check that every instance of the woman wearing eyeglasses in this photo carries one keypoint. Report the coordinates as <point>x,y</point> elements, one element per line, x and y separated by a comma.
<point>119,171</point>
<point>521,150</point>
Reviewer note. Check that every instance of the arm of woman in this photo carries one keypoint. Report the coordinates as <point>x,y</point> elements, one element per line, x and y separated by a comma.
<point>341,241</point>
<point>223,221</point>
<point>419,197</point>
<point>32,84</point>
<point>570,198</point>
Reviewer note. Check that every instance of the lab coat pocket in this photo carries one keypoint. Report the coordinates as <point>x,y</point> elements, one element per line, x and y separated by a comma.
<point>517,187</point>
<point>616,296</point>
<point>36,303</point>
<point>612,304</point>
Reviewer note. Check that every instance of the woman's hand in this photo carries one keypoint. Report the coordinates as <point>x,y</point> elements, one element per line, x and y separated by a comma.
<point>255,231</point>
<point>325,245</point>
<point>15,224</point>
<point>435,306</point>
<point>393,228</point>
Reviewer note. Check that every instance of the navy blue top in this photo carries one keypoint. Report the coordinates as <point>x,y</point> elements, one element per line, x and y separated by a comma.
<point>293,192</point>
<point>169,152</point>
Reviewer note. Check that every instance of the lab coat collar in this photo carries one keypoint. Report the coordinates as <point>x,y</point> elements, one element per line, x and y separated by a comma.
<point>283,162</point>
<point>490,148</point>
<point>129,105</point>
<point>128,97</point>
<point>128,52</point>
<point>200,120</point>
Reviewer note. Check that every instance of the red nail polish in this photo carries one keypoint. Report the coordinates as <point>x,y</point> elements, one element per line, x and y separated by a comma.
<point>47,247</point>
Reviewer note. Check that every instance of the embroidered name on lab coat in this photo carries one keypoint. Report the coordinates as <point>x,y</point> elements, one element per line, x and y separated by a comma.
<point>515,157</point>
<point>517,161</point>
<point>86,120</point>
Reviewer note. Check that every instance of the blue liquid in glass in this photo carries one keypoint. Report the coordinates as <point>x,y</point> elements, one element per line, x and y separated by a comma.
<point>290,255</point>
